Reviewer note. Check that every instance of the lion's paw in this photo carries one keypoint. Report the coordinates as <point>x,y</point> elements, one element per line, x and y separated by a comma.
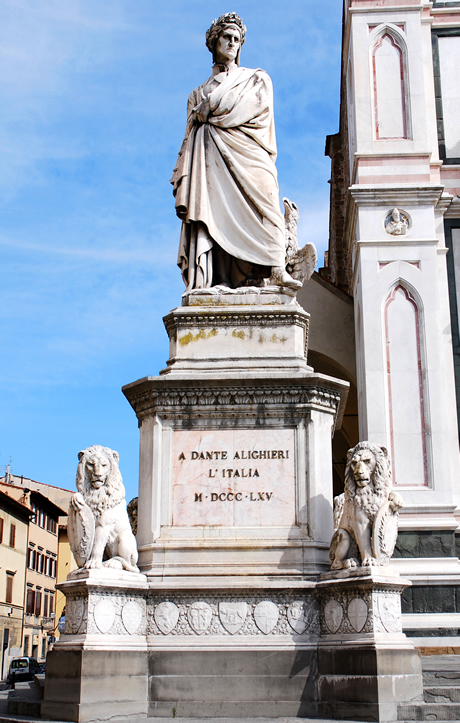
<point>93,565</point>
<point>369,561</point>
<point>77,501</point>
<point>114,564</point>
<point>350,562</point>
<point>396,501</point>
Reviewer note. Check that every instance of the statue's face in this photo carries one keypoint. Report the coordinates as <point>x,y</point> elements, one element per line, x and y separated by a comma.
<point>363,465</point>
<point>396,215</point>
<point>98,470</point>
<point>228,44</point>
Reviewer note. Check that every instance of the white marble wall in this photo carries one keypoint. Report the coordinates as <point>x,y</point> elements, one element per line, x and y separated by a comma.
<point>449,59</point>
<point>415,92</point>
<point>404,347</point>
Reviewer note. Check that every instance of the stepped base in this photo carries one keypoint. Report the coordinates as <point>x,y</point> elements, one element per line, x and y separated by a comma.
<point>441,691</point>
<point>236,684</point>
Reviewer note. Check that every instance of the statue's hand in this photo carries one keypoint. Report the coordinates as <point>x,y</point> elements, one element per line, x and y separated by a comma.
<point>202,111</point>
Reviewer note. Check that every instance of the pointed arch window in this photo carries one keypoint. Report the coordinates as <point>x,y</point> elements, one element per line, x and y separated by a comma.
<point>390,88</point>
<point>407,399</point>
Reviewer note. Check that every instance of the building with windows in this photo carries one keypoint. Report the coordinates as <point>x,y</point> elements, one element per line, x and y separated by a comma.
<point>65,560</point>
<point>40,621</point>
<point>391,281</point>
<point>40,605</point>
<point>14,535</point>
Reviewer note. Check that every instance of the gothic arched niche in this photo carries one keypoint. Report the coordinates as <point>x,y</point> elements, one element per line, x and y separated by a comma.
<point>405,372</point>
<point>390,87</point>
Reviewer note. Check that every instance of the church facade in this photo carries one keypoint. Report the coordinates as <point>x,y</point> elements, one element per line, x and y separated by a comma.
<point>390,283</point>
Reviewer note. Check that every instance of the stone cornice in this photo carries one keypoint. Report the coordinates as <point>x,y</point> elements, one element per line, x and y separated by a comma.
<point>224,399</point>
<point>393,195</point>
<point>381,196</point>
<point>280,316</point>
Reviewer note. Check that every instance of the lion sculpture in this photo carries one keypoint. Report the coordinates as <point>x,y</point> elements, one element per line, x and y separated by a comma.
<point>98,524</point>
<point>366,514</point>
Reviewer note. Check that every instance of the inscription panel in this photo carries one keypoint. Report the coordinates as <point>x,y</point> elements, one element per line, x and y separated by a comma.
<point>234,478</point>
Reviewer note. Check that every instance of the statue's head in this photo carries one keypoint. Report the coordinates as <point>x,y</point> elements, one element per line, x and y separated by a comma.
<point>98,477</point>
<point>395,215</point>
<point>362,465</point>
<point>229,20</point>
<point>367,464</point>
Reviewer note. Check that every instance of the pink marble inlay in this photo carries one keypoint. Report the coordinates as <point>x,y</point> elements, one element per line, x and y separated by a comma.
<point>234,478</point>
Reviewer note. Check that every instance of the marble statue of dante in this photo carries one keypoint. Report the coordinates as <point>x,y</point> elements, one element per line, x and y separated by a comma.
<point>225,180</point>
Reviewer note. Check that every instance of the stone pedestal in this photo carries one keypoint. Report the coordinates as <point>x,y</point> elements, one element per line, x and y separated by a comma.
<point>235,448</point>
<point>366,665</point>
<point>234,527</point>
<point>99,667</point>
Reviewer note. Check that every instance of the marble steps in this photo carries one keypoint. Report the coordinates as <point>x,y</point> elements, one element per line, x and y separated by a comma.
<point>26,699</point>
<point>441,692</point>
<point>429,711</point>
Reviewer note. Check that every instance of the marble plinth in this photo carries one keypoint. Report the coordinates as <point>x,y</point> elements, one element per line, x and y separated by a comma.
<point>328,648</point>
<point>366,665</point>
<point>204,338</point>
<point>104,608</point>
<point>230,616</point>
<point>235,450</point>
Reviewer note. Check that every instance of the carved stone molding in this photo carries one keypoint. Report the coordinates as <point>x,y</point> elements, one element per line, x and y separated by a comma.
<point>360,609</point>
<point>260,317</point>
<point>105,613</point>
<point>153,401</point>
<point>182,614</point>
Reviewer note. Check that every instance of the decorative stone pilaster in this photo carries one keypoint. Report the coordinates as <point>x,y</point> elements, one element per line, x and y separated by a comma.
<point>362,604</point>
<point>366,665</point>
<point>105,609</point>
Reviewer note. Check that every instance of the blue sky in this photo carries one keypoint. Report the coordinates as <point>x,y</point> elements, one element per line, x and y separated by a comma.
<point>93,96</point>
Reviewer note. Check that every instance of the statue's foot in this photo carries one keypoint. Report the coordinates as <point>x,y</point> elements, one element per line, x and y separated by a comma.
<point>281,277</point>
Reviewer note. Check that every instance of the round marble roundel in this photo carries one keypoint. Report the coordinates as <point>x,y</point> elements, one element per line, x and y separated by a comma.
<point>104,615</point>
<point>131,615</point>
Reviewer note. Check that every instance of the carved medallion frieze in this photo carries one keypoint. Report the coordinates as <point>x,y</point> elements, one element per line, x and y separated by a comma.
<point>389,610</point>
<point>131,614</point>
<point>333,614</point>
<point>75,613</point>
<point>254,615</point>
<point>199,616</point>
<point>232,615</point>
<point>104,615</point>
<point>266,616</point>
<point>299,614</point>
<point>166,616</point>
<point>357,613</point>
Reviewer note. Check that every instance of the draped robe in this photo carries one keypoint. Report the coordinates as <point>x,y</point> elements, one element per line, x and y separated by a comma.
<point>225,180</point>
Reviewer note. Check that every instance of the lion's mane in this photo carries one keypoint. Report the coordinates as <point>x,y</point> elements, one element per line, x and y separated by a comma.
<point>371,497</point>
<point>112,492</point>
